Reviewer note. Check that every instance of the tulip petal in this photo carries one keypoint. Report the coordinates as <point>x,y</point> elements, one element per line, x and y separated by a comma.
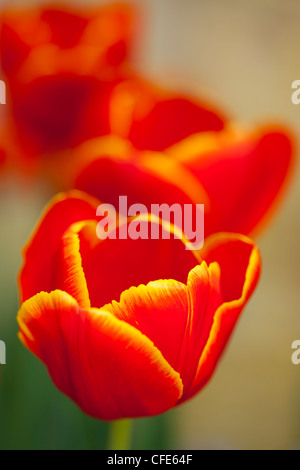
<point>112,29</point>
<point>105,365</point>
<point>176,317</point>
<point>114,265</point>
<point>170,121</point>
<point>116,170</point>
<point>71,278</point>
<point>260,163</point>
<point>104,34</point>
<point>77,108</point>
<point>154,119</point>
<point>235,254</point>
<point>159,310</point>
<point>13,50</point>
<point>66,26</point>
<point>40,253</point>
<point>239,262</point>
<point>204,294</point>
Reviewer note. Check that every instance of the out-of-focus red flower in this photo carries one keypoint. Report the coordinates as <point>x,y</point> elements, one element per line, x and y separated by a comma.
<point>154,118</point>
<point>240,178</point>
<point>68,88</point>
<point>243,172</point>
<point>48,39</point>
<point>108,167</point>
<point>60,65</point>
<point>2,157</point>
<point>126,327</point>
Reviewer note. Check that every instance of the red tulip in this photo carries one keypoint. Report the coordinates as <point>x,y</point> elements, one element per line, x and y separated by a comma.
<point>60,66</point>
<point>240,179</point>
<point>126,327</point>
<point>108,167</point>
<point>49,39</point>
<point>243,174</point>
<point>153,118</point>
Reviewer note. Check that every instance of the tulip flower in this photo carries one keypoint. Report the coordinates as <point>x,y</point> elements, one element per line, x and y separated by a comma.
<point>108,167</point>
<point>244,173</point>
<point>184,147</point>
<point>60,64</point>
<point>240,179</point>
<point>154,118</point>
<point>129,328</point>
<point>245,176</point>
<point>86,91</point>
<point>189,153</point>
<point>47,39</point>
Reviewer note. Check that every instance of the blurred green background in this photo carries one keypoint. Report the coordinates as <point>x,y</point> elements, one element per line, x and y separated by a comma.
<point>244,56</point>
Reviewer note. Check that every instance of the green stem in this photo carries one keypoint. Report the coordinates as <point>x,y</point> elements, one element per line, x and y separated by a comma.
<point>120,435</point>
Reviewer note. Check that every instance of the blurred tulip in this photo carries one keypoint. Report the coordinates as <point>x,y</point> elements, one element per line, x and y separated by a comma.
<point>60,64</point>
<point>243,172</point>
<point>154,118</point>
<point>240,179</point>
<point>66,90</point>
<point>245,175</point>
<point>126,327</point>
<point>48,39</point>
<point>108,167</point>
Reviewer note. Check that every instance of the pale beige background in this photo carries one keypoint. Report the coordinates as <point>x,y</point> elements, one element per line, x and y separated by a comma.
<point>245,56</point>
